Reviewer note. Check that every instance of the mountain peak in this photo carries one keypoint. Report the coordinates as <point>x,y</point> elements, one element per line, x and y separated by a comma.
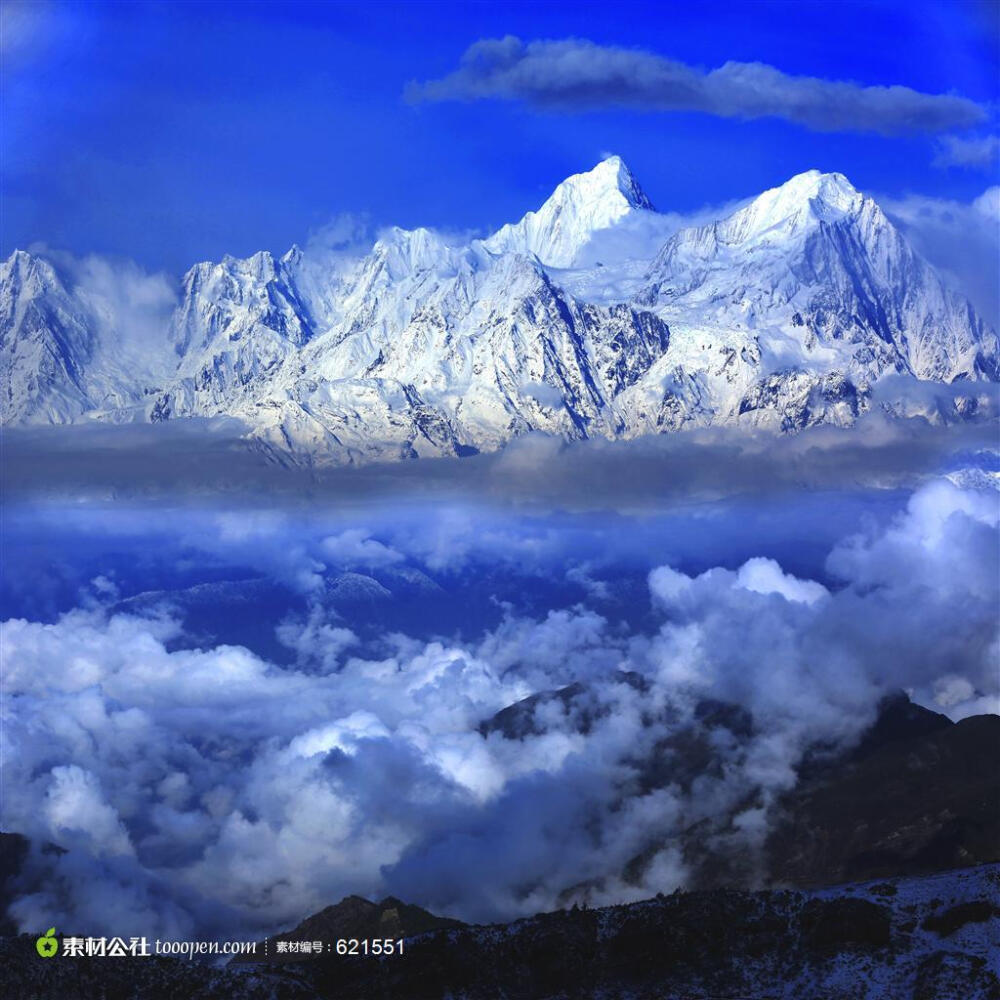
<point>580,206</point>
<point>408,250</point>
<point>610,179</point>
<point>832,189</point>
<point>796,205</point>
<point>22,267</point>
<point>781,315</point>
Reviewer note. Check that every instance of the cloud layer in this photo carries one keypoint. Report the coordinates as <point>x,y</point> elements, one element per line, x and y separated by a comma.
<point>208,458</point>
<point>200,788</point>
<point>579,75</point>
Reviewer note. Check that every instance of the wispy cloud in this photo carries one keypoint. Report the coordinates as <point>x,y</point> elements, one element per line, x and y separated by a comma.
<point>977,152</point>
<point>579,75</point>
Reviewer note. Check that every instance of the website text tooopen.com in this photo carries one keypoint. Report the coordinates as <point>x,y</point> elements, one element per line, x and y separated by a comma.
<point>191,949</point>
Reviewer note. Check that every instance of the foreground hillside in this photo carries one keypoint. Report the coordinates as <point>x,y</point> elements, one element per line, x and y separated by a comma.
<point>929,938</point>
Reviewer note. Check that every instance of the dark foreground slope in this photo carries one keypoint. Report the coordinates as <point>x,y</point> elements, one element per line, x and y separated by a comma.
<point>924,938</point>
<point>921,938</point>
<point>905,826</point>
<point>920,794</point>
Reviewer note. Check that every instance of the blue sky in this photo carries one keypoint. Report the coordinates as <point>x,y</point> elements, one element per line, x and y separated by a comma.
<point>176,133</point>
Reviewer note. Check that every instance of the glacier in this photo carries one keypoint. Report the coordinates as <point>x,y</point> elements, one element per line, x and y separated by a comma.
<point>587,318</point>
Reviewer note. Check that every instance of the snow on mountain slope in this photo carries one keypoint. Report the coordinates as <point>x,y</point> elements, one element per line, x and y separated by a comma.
<point>45,342</point>
<point>810,278</point>
<point>69,349</point>
<point>580,206</point>
<point>781,315</point>
<point>467,351</point>
<point>236,322</point>
<point>818,256</point>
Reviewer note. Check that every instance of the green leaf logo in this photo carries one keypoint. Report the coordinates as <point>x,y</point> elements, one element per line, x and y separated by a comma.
<point>47,945</point>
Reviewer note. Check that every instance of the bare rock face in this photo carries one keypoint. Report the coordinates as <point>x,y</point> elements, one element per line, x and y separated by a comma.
<point>913,802</point>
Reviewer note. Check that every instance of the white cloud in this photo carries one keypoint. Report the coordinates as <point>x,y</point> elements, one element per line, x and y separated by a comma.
<point>765,576</point>
<point>207,789</point>
<point>129,307</point>
<point>355,547</point>
<point>979,152</point>
<point>988,203</point>
<point>75,805</point>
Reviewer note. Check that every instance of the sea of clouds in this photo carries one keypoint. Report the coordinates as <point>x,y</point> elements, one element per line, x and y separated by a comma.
<point>230,715</point>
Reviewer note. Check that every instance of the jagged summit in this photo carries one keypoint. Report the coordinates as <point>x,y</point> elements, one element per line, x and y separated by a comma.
<point>407,250</point>
<point>779,216</point>
<point>580,206</point>
<point>21,259</point>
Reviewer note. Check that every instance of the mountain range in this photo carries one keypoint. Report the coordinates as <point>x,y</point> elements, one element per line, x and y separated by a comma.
<point>587,318</point>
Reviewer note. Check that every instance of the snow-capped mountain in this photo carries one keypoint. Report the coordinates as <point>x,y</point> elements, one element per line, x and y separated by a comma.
<point>783,314</point>
<point>47,344</point>
<point>579,207</point>
<point>236,324</point>
<point>70,350</point>
<point>813,277</point>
